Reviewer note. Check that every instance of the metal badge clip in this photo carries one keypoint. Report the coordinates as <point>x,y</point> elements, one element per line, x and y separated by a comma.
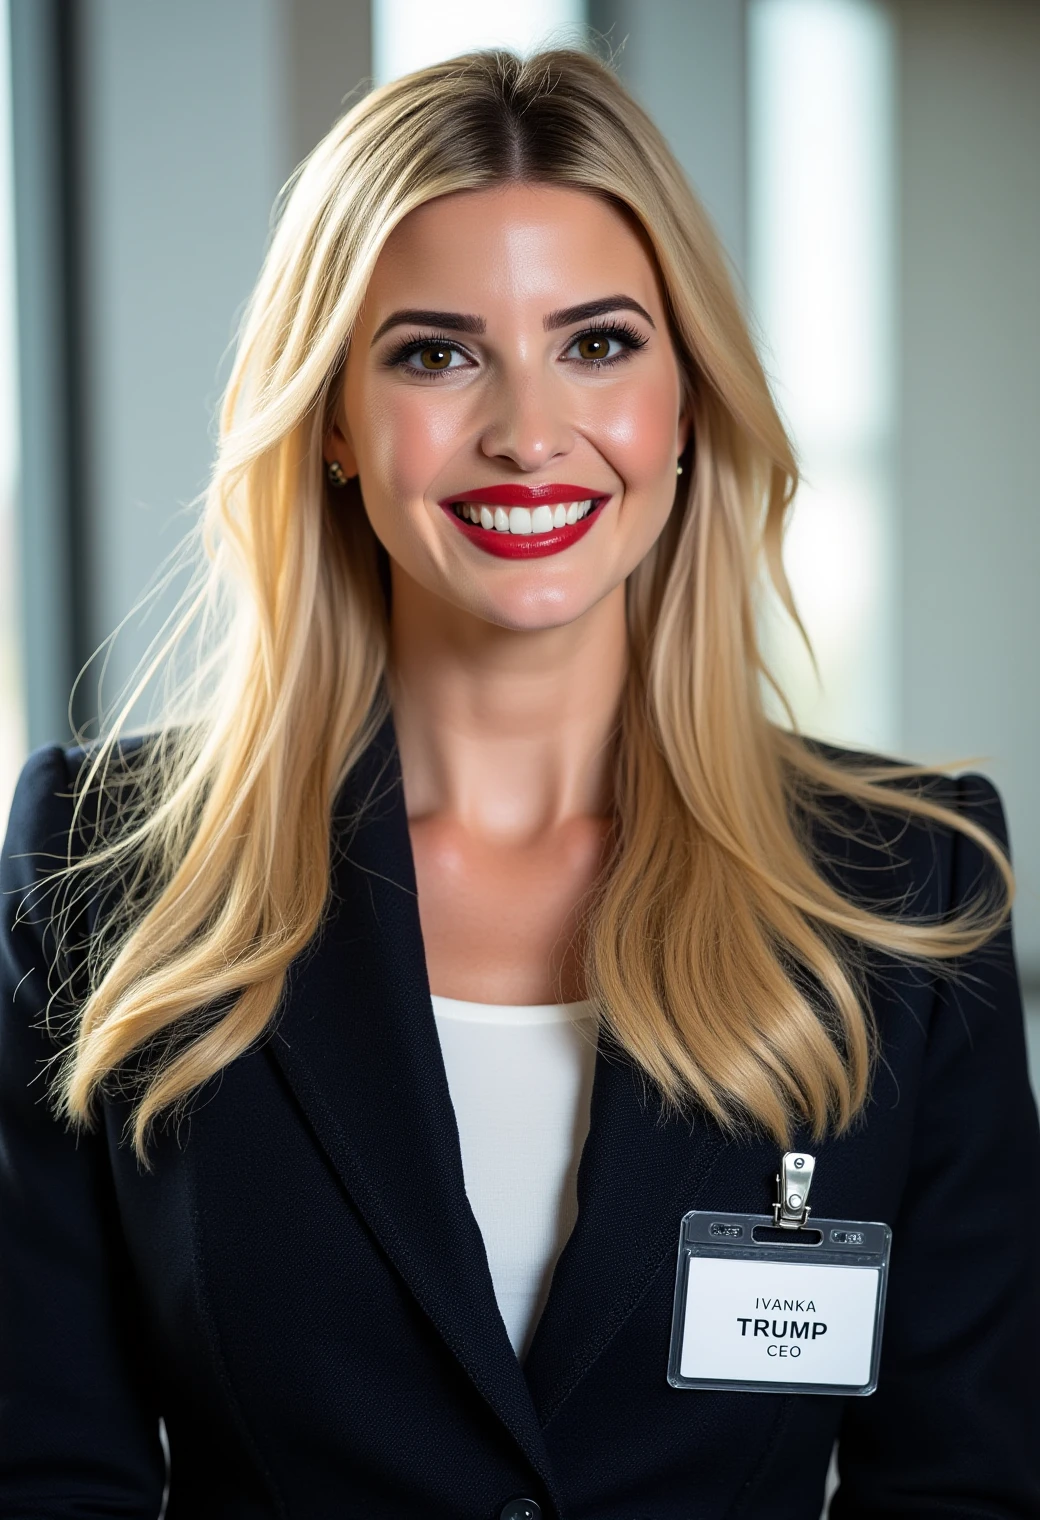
<point>793,1181</point>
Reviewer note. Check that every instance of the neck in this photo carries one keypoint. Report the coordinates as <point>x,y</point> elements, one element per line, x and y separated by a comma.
<point>506,730</point>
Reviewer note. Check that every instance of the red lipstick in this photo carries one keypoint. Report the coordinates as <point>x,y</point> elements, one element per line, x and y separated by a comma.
<point>525,496</point>
<point>508,545</point>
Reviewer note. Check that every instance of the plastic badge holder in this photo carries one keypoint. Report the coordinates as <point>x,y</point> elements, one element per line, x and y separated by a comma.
<point>777,1305</point>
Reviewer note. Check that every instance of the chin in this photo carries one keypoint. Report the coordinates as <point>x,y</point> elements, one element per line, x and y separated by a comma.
<point>534,612</point>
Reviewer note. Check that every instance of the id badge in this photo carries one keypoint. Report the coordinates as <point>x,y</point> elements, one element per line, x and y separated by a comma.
<point>773,1304</point>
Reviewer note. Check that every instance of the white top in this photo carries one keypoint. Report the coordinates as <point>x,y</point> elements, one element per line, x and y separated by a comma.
<point>521,1081</point>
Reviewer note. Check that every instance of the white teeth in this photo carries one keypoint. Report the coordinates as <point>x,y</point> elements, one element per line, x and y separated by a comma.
<point>543,519</point>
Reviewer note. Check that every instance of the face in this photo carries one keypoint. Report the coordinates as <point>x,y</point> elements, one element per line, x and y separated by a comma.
<point>511,403</point>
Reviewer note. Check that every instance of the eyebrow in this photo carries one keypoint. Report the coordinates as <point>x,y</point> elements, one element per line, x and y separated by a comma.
<point>570,314</point>
<point>460,321</point>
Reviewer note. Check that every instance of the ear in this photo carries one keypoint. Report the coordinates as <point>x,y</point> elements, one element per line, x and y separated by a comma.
<point>337,446</point>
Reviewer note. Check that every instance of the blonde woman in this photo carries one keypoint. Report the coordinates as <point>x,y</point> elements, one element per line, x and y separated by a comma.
<point>372,1024</point>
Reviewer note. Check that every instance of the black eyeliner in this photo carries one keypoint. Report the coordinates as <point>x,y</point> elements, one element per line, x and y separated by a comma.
<point>415,342</point>
<point>621,331</point>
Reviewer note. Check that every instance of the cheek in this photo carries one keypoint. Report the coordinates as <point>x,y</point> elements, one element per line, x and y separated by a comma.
<point>408,435</point>
<point>637,428</point>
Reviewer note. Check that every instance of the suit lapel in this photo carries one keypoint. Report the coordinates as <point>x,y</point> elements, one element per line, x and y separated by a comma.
<point>639,1174</point>
<point>358,1044</point>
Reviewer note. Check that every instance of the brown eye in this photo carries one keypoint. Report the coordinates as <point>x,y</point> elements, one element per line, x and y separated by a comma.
<point>594,346</point>
<point>435,357</point>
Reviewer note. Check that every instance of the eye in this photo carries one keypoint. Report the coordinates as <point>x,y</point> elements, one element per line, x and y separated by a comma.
<point>595,346</point>
<point>605,345</point>
<point>435,356</point>
<point>428,356</point>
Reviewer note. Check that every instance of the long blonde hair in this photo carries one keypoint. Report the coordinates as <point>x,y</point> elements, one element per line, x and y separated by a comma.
<point>712,914</point>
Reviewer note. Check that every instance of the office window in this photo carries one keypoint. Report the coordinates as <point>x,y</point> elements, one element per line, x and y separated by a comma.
<point>408,34</point>
<point>820,93</point>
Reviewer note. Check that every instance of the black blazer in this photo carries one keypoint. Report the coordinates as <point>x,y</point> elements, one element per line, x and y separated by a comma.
<point>300,1290</point>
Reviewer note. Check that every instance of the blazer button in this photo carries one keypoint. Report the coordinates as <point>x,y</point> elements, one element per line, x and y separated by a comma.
<point>520,1509</point>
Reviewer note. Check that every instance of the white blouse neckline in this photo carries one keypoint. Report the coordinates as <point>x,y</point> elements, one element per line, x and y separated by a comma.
<point>511,1013</point>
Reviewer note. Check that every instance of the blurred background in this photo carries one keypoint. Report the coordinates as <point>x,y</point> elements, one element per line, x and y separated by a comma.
<point>872,166</point>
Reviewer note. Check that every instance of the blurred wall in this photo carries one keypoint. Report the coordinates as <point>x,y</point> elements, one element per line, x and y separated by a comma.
<point>193,116</point>
<point>970,333</point>
<point>685,61</point>
<point>184,147</point>
<point>328,52</point>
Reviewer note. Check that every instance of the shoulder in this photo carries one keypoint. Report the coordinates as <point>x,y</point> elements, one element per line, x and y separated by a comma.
<point>894,834</point>
<point>52,821</point>
<point>40,821</point>
<point>971,794</point>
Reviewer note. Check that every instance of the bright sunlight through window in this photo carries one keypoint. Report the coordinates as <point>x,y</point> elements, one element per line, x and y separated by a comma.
<point>822,278</point>
<point>408,34</point>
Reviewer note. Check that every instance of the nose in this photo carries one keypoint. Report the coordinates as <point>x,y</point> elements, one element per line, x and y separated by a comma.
<point>527,426</point>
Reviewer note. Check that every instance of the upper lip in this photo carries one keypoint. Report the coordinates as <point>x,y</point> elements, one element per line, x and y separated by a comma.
<point>524,496</point>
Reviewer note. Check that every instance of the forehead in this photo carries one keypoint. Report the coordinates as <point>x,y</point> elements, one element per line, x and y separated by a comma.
<point>544,244</point>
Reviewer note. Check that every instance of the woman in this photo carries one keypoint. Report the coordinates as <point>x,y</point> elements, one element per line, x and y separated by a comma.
<point>471,855</point>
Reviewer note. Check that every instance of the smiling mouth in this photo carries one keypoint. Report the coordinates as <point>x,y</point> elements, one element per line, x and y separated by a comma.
<point>521,521</point>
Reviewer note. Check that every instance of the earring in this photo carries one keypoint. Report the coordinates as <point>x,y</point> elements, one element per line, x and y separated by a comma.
<point>334,474</point>
<point>678,469</point>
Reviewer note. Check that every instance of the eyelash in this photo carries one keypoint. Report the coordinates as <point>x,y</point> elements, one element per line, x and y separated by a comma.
<point>416,342</point>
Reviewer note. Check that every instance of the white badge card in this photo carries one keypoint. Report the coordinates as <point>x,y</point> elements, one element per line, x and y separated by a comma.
<point>763,1309</point>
